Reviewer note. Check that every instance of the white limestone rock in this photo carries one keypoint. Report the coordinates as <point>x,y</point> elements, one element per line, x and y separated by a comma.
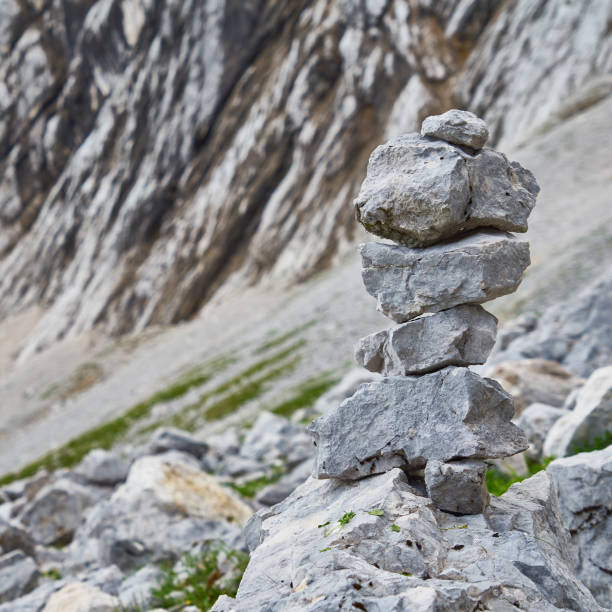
<point>536,421</point>
<point>457,127</point>
<point>590,419</point>
<point>471,270</point>
<point>459,336</point>
<point>398,552</point>
<point>457,486</point>
<point>18,575</point>
<point>419,191</point>
<point>81,597</point>
<point>408,421</point>
<point>103,467</point>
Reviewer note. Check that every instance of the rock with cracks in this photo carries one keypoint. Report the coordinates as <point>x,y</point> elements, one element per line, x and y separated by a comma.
<point>458,336</point>
<point>474,269</point>
<point>408,421</point>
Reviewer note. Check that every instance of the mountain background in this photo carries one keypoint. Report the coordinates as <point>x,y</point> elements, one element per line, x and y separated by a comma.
<point>176,176</point>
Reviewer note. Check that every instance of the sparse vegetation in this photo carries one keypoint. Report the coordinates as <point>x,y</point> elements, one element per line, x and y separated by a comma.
<point>395,528</point>
<point>345,519</point>
<point>83,377</point>
<point>252,487</point>
<point>305,394</point>
<point>215,571</point>
<point>278,340</point>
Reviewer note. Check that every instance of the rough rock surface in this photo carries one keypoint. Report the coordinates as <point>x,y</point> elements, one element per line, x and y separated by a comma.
<point>406,555</point>
<point>474,269</point>
<point>457,486</point>
<point>136,176</point>
<point>165,506</point>
<point>458,127</point>
<point>459,336</point>
<point>103,467</point>
<point>407,421</point>
<point>590,419</point>
<point>576,332</point>
<point>534,380</point>
<point>171,438</point>
<point>584,488</point>
<point>18,575</point>
<point>419,191</point>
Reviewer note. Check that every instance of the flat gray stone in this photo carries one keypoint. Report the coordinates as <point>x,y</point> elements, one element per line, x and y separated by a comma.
<point>457,126</point>
<point>474,269</point>
<point>459,336</point>
<point>103,467</point>
<point>457,486</point>
<point>590,419</point>
<point>419,191</point>
<point>408,421</point>
<point>171,438</point>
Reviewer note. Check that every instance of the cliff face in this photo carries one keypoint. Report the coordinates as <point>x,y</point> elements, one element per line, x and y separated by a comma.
<point>154,151</point>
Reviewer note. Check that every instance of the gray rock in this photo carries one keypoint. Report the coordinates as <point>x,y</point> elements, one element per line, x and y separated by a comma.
<point>57,510</point>
<point>458,127</point>
<point>171,438</point>
<point>35,600</point>
<point>275,493</point>
<point>136,590</point>
<point>459,336</point>
<point>103,467</point>
<point>398,553</point>
<point>536,421</point>
<point>407,421</point>
<point>590,419</point>
<point>273,438</point>
<point>457,486</point>
<point>166,505</point>
<point>576,332</point>
<point>13,537</point>
<point>418,192</point>
<point>474,269</point>
<point>534,380</point>
<point>584,487</point>
<point>18,575</point>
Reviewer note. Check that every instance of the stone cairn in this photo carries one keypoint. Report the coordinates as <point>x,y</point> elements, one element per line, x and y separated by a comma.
<point>448,204</point>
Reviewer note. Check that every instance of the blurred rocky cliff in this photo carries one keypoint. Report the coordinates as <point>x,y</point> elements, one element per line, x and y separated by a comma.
<point>153,152</point>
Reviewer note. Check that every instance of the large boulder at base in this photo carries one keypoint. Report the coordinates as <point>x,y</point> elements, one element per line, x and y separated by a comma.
<point>407,421</point>
<point>577,333</point>
<point>534,380</point>
<point>474,269</point>
<point>590,419</point>
<point>457,127</point>
<point>375,544</point>
<point>18,575</point>
<point>419,191</point>
<point>459,336</point>
<point>80,597</point>
<point>166,505</point>
<point>584,487</point>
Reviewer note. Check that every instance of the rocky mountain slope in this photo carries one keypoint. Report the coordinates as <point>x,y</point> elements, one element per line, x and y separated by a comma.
<point>152,153</point>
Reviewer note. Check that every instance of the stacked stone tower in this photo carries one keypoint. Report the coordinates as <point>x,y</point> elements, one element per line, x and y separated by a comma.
<point>448,205</point>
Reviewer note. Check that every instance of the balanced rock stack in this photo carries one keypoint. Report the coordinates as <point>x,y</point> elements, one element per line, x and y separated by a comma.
<point>449,205</point>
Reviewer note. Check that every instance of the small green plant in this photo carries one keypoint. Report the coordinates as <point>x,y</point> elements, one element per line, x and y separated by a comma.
<point>464,526</point>
<point>395,528</point>
<point>252,487</point>
<point>325,549</point>
<point>375,512</point>
<point>52,574</point>
<point>215,571</point>
<point>499,482</point>
<point>345,519</point>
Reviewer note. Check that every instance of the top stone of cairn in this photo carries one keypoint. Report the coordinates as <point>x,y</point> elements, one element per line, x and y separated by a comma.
<point>421,190</point>
<point>458,127</point>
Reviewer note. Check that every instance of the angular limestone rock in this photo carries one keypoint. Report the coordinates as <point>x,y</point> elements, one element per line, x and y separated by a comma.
<point>457,486</point>
<point>408,421</point>
<point>418,191</point>
<point>474,269</point>
<point>457,126</point>
<point>459,336</point>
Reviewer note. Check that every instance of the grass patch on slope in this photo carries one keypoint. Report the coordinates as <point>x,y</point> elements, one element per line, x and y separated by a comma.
<point>305,394</point>
<point>106,435</point>
<point>278,340</point>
